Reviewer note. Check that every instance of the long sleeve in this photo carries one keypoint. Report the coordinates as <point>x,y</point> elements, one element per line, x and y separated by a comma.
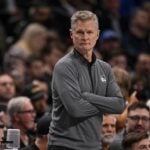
<point>113,102</point>
<point>66,82</point>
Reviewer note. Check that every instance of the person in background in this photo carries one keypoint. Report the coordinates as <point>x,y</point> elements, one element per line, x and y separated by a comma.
<point>108,130</point>
<point>138,121</point>
<point>37,91</point>
<point>141,78</point>
<point>22,116</point>
<point>139,35</point>
<point>118,59</point>
<point>109,42</point>
<point>41,140</point>
<point>123,79</point>
<point>27,45</point>
<point>7,87</point>
<point>83,89</point>
<point>136,141</point>
<point>7,91</point>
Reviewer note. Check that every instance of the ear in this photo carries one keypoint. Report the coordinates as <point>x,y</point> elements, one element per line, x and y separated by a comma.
<point>98,34</point>
<point>16,116</point>
<point>71,33</point>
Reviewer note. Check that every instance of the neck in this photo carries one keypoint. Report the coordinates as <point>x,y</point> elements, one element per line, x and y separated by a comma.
<point>88,56</point>
<point>105,146</point>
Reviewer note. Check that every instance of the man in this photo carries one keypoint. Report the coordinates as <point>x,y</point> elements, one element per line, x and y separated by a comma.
<point>136,141</point>
<point>138,121</point>
<point>41,140</point>
<point>22,116</point>
<point>83,89</point>
<point>37,91</point>
<point>108,130</point>
<point>7,88</point>
<point>7,91</point>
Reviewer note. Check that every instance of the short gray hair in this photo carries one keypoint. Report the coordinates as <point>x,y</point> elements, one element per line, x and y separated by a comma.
<point>84,15</point>
<point>16,105</point>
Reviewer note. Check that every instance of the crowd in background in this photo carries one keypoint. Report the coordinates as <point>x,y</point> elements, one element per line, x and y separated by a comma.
<point>34,35</point>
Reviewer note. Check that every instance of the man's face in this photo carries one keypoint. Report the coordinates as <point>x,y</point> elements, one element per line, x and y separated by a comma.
<point>143,64</point>
<point>138,120</point>
<point>26,117</point>
<point>108,128</point>
<point>142,145</point>
<point>7,87</point>
<point>84,35</point>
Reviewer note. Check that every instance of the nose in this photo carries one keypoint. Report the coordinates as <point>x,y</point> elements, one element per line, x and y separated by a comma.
<point>109,129</point>
<point>33,114</point>
<point>85,36</point>
<point>140,122</point>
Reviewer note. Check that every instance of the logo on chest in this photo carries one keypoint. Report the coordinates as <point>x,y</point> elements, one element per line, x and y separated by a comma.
<point>103,79</point>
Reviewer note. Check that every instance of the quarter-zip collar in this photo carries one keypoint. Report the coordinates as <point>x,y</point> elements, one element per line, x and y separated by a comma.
<point>79,55</point>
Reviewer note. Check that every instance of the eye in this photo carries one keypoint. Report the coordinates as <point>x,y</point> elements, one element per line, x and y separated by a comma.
<point>80,32</point>
<point>89,32</point>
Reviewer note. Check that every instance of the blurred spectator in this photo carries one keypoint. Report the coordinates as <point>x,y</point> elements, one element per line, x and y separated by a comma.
<point>128,6</point>
<point>53,52</point>
<point>16,58</point>
<point>110,17</point>
<point>27,44</point>
<point>136,39</point>
<point>108,130</point>
<point>118,59</point>
<point>37,91</point>
<point>7,88</point>
<point>109,42</point>
<point>123,79</point>
<point>138,121</point>
<point>136,141</point>
<point>146,7</point>
<point>7,91</point>
<point>36,67</point>
<point>141,77</point>
<point>41,140</point>
<point>22,116</point>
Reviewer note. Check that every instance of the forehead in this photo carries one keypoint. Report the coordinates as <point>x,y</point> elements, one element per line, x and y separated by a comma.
<point>84,24</point>
<point>4,78</point>
<point>27,105</point>
<point>145,141</point>
<point>140,112</point>
<point>109,120</point>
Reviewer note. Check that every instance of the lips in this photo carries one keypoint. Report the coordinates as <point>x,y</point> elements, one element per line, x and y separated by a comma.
<point>139,128</point>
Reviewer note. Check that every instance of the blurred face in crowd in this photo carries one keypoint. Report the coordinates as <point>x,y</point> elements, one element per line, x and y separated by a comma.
<point>37,68</point>
<point>39,42</point>
<point>84,35</point>
<point>108,128</point>
<point>7,87</point>
<point>112,5</point>
<point>138,120</point>
<point>26,117</point>
<point>109,45</point>
<point>143,144</point>
<point>142,19</point>
<point>41,105</point>
<point>54,56</point>
<point>41,14</point>
<point>143,64</point>
<point>119,61</point>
